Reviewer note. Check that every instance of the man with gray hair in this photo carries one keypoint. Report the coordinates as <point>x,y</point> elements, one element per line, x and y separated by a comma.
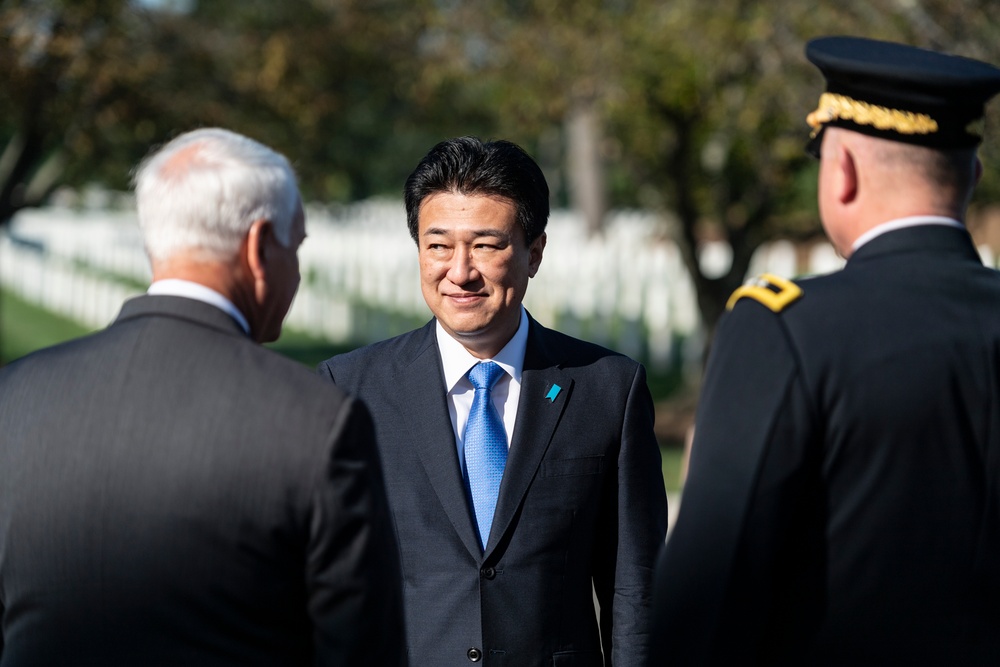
<point>172,493</point>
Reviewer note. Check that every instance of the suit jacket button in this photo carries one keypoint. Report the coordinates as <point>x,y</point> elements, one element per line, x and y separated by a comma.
<point>489,572</point>
<point>475,655</point>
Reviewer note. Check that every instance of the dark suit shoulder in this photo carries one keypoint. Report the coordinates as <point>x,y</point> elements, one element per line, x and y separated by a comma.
<point>148,355</point>
<point>564,350</point>
<point>299,380</point>
<point>378,361</point>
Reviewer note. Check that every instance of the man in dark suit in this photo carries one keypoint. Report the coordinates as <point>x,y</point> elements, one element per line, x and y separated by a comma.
<point>517,498</point>
<point>842,505</point>
<point>172,493</point>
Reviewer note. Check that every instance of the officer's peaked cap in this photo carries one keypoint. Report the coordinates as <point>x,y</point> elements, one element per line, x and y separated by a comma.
<point>900,92</point>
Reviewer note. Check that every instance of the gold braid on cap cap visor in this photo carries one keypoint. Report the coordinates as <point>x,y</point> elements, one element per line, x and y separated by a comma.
<point>833,107</point>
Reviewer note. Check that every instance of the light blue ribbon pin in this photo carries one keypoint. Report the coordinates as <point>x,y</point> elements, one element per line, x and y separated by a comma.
<point>553,392</point>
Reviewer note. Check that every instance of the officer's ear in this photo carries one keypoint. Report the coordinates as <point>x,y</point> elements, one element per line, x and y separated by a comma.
<point>847,173</point>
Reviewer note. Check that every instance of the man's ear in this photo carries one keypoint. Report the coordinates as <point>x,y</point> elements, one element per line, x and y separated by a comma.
<point>979,171</point>
<point>535,254</point>
<point>847,172</point>
<point>258,243</point>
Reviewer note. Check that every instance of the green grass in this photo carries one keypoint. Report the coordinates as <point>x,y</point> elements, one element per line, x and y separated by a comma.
<point>25,328</point>
<point>672,461</point>
<point>307,349</point>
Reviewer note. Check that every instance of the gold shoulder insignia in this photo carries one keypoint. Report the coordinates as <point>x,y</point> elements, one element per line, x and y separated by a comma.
<point>774,292</point>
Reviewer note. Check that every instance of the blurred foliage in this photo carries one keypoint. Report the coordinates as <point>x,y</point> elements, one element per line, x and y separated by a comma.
<point>701,104</point>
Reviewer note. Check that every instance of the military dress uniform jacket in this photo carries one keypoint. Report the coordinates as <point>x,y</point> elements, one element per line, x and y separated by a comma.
<point>581,506</point>
<point>842,503</point>
<point>172,493</point>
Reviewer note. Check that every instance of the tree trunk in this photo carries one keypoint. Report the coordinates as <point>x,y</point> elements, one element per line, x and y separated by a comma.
<point>18,166</point>
<point>587,189</point>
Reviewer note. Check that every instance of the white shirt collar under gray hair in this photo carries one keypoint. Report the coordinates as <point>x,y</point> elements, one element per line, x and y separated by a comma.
<point>198,292</point>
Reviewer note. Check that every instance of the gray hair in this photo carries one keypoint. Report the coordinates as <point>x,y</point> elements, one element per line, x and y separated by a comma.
<point>204,189</point>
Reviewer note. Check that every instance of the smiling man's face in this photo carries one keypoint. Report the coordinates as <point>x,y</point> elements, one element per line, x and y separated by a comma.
<point>474,267</point>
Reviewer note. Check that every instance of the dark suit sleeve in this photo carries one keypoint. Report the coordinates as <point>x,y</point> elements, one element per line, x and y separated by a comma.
<point>744,522</point>
<point>355,592</point>
<point>634,525</point>
<point>325,371</point>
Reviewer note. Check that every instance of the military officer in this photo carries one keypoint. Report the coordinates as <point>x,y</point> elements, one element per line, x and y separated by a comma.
<point>843,496</point>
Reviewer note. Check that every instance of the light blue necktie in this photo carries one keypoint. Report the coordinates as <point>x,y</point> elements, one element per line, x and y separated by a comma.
<point>485,447</point>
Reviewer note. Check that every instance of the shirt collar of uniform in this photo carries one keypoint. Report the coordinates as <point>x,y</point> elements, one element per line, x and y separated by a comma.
<point>198,292</point>
<point>457,361</point>
<point>902,223</point>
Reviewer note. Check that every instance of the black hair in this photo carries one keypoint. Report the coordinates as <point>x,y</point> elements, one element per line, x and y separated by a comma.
<point>469,166</point>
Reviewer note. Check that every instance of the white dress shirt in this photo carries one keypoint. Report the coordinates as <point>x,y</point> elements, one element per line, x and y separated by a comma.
<point>902,223</point>
<point>456,362</point>
<point>198,292</point>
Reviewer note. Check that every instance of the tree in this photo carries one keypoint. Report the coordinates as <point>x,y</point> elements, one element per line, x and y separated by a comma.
<point>702,104</point>
<point>692,107</point>
<point>541,71</point>
<point>328,83</point>
<point>715,113</point>
<point>90,85</point>
<point>61,63</point>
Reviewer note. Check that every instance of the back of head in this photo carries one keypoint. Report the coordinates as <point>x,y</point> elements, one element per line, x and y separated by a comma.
<point>910,120</point>
<point>200,193</point>
<point>945,175</point>
<point>900,93</point>
<point>471,167</point>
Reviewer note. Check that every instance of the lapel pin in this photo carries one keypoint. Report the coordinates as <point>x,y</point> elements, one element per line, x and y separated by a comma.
<point>553,392</point>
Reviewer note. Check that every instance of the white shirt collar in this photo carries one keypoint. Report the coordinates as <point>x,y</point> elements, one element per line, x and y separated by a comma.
<point>457,361</point>
<point>902,223</point>
<point>198,292</point>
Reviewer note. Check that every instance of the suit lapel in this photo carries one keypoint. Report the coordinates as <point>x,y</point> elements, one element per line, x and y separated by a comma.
<point>422,383</point>
<point>546,389</point>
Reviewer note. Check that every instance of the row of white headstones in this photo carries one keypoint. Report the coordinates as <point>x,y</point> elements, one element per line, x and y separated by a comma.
<point>627,289</point>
